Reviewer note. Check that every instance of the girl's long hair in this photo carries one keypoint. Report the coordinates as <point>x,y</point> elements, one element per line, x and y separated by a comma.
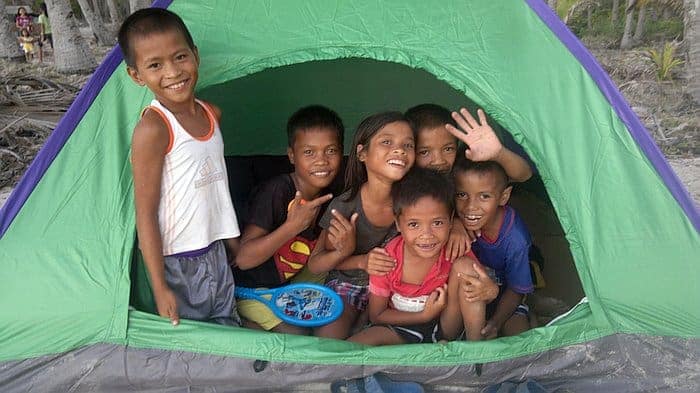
<point>355,172</point>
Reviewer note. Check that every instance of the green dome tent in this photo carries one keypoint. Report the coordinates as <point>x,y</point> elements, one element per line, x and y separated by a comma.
<point>67,233</point>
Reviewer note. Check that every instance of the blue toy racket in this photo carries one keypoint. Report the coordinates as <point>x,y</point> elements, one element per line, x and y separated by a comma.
<point>303,304</point>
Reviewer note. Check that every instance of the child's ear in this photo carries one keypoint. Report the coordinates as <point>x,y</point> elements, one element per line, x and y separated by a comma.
<point>134,74</point>
<point>290,155</point>
<point>505,196</point>
<point>361,154</point>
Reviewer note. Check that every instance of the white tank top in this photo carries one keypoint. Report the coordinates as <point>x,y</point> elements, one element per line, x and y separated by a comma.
<point>195,203</point>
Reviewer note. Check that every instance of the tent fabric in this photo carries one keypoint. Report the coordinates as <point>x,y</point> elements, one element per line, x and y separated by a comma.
<point>617,363</point>
<point>67,233</point>
<point>618,102</point>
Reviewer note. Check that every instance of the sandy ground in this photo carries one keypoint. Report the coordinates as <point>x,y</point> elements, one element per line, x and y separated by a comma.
<point>688,170</point>
<point>4,194</point>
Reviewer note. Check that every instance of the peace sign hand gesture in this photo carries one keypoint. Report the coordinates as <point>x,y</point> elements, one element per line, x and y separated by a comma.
<point>482,142</point>
<point>301,213</point>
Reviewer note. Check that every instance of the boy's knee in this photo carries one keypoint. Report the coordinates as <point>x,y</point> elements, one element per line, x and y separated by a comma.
<point>464,266</point>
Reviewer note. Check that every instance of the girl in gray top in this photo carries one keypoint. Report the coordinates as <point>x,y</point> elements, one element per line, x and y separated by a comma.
<point>359,222</point>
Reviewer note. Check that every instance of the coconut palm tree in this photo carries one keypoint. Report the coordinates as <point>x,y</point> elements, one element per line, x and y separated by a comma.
<point>97,24</point>
<point>570,8</point>
<point>135,5</point>
<point>615,11</point>
<point>641,18</point>
<point>71,51</point>
<point>9,47</point>
<point>691,40</point>
<point>626,41</point>
<point>114,13</point>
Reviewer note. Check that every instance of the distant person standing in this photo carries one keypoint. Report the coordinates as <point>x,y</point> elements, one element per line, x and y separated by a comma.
<point>23,20</point>
<point>45,30</point>
<point>26,41</point>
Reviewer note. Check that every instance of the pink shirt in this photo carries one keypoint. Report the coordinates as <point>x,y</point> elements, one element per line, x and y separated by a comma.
<point>23,21</point>
<point>391,283</point>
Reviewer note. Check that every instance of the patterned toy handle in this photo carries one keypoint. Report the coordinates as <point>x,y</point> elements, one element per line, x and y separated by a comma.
<point>303,304</point>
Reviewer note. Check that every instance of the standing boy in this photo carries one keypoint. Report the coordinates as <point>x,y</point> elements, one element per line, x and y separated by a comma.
<point>184,214</point>
<point>284,214</point>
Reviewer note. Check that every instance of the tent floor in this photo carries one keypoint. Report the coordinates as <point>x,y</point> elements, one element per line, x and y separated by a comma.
<point>617,363</point>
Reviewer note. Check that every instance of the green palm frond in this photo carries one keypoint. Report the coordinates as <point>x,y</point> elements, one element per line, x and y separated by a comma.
<point>664,61</point>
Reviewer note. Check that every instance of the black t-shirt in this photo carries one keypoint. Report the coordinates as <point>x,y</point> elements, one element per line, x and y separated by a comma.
<point>268,210</point>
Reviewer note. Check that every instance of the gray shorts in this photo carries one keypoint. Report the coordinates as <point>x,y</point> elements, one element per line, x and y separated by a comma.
<point>203,286</point>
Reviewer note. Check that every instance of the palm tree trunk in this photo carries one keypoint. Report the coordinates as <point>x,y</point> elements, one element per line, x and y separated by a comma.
<point>135,5</point>
<point>114,13</point>
<point>691,39</point>
<point>589,17</point>
<point>9,46</point>
<point>615,11</point>
<point>71,51</point>
<point>666,14</point>
<point>639,30</point>
<point>626,41</point>
<point>97,25</point>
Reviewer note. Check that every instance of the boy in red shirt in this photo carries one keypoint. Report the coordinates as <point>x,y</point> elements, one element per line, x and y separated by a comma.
<point>406,305</point>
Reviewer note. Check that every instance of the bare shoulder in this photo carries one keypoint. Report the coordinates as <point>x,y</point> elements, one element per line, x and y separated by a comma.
<point>215,109</point>
<point>151,133</point>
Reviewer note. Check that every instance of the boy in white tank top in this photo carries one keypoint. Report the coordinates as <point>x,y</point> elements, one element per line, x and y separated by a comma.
<point>184,215</point>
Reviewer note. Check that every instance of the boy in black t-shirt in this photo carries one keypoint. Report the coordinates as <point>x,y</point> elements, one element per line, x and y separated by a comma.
<point>284,212</point>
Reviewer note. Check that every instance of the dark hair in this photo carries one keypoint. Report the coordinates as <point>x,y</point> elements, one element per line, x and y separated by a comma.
<point>429,116</point>
<point>463,164</point>
<point>314,116</point>
<point>419,183</point>
<point>148,21</point>
<point>355,172</point>
<point>21,8</point>
<point>43,8</point>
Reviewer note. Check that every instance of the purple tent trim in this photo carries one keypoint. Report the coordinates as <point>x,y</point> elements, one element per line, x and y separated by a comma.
<point>61,133</point>
<point>617,101</point>
<point>77,110</point>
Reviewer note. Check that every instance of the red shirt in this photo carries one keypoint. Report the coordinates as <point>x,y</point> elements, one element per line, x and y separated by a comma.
<point>389,284</point>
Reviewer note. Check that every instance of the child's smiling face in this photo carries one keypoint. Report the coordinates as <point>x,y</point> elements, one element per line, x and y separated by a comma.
<point>316,156</point>
<point>436,149</point>
<point>425,227</point>
<point>390,152</point>
<point>165,63</point>
<point>479,198</point>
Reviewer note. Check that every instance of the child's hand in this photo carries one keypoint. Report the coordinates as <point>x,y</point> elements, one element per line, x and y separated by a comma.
<point>341,233</point>
<point>482,142</point>
<point>379,262</point>
<point>437,301</point>
<point>460,241</point>
<point>167,305</point>
<point>478,286</point>
<point>301,214</point>
<point>490,330</point>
